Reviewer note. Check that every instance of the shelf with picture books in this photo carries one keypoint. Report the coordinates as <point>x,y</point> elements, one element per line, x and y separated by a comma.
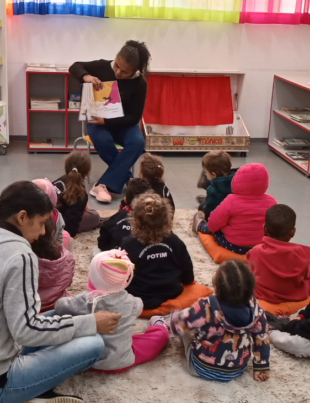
<point>53,123</point>
<point>289,129</point>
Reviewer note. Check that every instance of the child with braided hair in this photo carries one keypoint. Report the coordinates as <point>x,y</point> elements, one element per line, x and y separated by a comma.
<point>220,331</point>
<point>162,262</point>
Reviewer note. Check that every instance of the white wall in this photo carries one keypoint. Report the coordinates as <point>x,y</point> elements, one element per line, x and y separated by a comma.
<point>258,50</point>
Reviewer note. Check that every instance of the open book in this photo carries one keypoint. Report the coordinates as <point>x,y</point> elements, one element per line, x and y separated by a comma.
<point>105,103</point>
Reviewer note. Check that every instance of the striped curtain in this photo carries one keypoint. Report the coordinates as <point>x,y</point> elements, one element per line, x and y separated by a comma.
<point>203,10</point>
<point>91,8</point>
<point>275,12</point>
<point>235,11</point>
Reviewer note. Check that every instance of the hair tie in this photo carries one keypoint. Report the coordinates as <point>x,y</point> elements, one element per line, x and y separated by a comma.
<point>74,169</point>
<point>149,210</point>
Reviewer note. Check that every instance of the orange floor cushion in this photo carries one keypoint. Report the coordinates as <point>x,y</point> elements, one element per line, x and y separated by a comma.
<point>217,252</point>
<point>285,308</point>
<point>189,295</point>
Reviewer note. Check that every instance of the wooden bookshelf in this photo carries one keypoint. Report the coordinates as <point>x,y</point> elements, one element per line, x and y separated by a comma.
<point>61,126</point>
<point>289,91</point>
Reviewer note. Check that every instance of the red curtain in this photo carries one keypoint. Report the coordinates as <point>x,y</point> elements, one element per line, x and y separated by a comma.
<point>188,101</point>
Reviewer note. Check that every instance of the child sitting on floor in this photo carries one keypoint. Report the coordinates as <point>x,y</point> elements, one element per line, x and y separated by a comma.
<point>56,267</point>
<point>109,274</point>
<point>281,268</point>
<point>237,223</point>
<point>60,236</point>
<point>217,169</point>
<point>296,326</point>
<point>162,262</point>
<point>225,327</point>
<point>118,226</point>
<point>152,169</point>
<point>72,195</point>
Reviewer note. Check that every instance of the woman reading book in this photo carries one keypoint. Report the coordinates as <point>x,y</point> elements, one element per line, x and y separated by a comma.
<point>128,69</point>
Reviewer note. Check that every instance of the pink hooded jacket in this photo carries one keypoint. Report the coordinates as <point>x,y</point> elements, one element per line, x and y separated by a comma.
<point>54,277</point>
<point>241,216</point>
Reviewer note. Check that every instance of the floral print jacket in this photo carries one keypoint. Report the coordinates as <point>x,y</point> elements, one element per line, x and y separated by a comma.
<point>218,345</point>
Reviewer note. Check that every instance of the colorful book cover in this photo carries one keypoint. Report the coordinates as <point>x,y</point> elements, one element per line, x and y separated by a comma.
<point>105,103</point>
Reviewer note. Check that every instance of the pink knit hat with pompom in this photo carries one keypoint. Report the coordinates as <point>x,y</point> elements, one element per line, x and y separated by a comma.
<point>110,272</point>
<point>47,188</point>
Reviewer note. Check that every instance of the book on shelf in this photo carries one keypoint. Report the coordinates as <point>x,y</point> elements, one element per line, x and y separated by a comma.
<point>75,97</point>
<point>295,110</point>
<point>301,118</point>
<point>41,144</point>
<point>298,155</point>
<point>40,67</point>
<point>105,103</point>
<point>62,69</point>
<point>287,143</point>
<point>45,103</point>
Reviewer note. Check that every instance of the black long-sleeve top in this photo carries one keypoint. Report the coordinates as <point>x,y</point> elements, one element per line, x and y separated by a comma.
<point>132,91</point>
<point>73,214</point>
<point>160,270</point>
<point>114,230</point>
<point>299,327</point>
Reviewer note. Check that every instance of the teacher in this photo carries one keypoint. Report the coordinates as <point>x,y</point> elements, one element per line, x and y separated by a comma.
<point>37,352</point>
<point>128,69</point>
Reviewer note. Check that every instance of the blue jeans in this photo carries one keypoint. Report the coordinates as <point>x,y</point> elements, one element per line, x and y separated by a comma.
<point>120,163</point>
<point>39,369</point>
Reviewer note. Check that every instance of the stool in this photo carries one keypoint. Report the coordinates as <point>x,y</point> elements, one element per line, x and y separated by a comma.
<point>85,137</point>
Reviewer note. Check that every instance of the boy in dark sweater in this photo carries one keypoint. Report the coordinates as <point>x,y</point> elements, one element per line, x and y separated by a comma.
<point>118,226</point>
<point>216,178</point>
<point>217,169</point>
<point>299,326</point>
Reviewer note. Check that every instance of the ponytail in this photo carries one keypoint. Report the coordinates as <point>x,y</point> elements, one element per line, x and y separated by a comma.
<point>137,55</point>
<point>46,247</point>
<point>152,168</point>
<point>77,167</point>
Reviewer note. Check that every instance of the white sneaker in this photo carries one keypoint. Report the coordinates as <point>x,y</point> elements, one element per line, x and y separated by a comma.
<point>52,397</point>
<point>101,193</point>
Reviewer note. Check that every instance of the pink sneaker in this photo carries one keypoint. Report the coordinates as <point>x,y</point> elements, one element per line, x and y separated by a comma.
<point>101,193</point>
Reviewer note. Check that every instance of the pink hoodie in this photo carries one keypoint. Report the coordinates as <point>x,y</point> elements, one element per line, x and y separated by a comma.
<point>54,277</point>
<point>241,216</point>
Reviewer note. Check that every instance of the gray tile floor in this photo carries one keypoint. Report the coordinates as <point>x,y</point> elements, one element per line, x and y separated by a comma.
<point>287,184</point>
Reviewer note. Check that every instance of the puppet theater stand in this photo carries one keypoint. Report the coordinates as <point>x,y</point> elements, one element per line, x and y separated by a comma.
<point>194,111</point>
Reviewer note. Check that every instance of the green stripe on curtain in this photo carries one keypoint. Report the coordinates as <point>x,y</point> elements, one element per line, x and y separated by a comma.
<point>201,10</point>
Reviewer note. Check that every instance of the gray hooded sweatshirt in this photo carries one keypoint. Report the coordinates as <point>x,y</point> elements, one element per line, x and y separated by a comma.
<point>20,323</point>
<point>118,352</point>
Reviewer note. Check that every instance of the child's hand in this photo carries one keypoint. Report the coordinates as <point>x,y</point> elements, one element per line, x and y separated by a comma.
<point>261,376</point>
<point>296,318</point>
<point>107,321</point>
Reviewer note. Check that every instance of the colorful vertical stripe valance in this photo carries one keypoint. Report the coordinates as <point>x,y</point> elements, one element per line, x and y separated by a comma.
<point>275,12</point>
<point>235,11</point>
<point>90,8</point>
<point>203,10</point>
